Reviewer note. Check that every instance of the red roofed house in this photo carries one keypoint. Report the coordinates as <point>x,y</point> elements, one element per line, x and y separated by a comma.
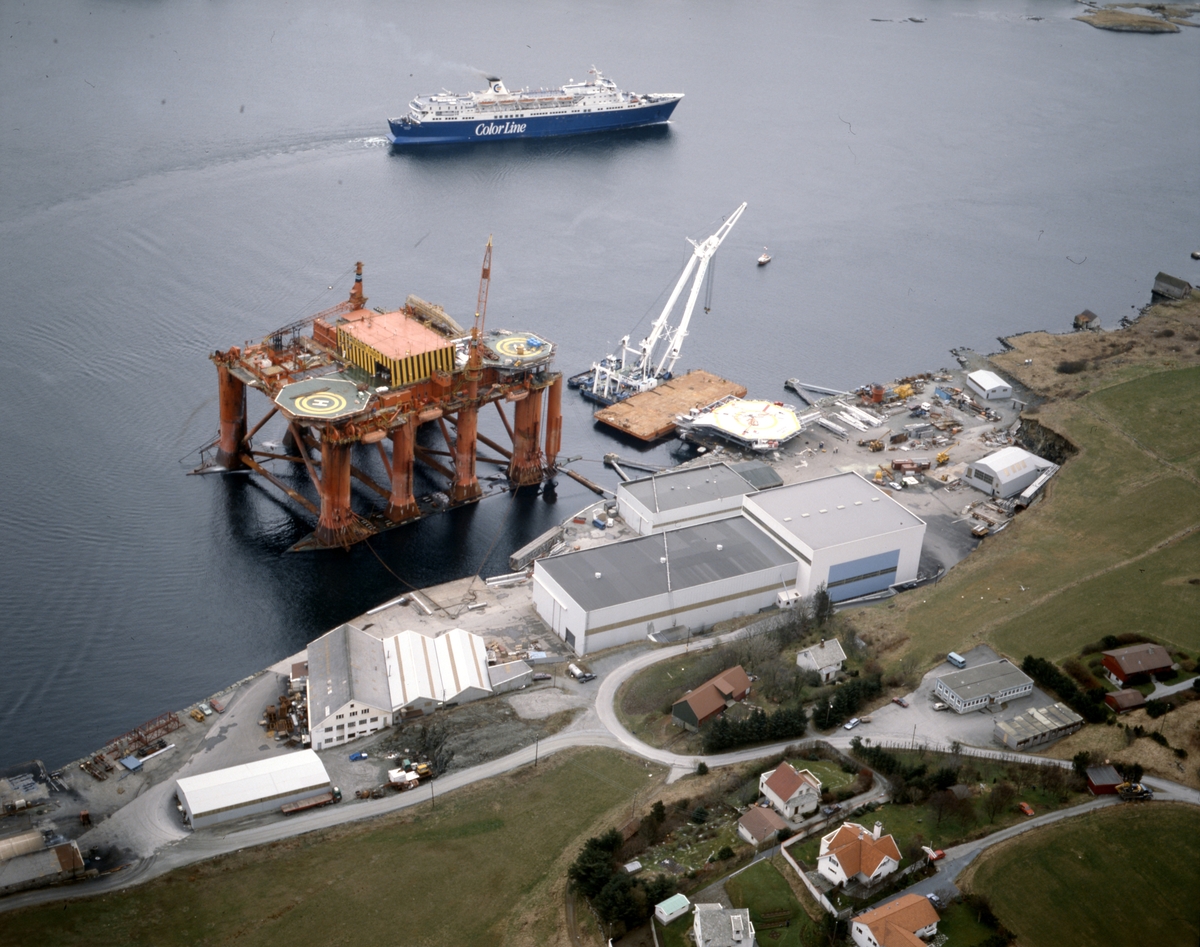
<point>900,923</point>
<point>760,824</point>
<point>854,854</point>
<point>792,793</point>
<point>1125,700</point>
<point>1145,659</point>
<point>699,706</point>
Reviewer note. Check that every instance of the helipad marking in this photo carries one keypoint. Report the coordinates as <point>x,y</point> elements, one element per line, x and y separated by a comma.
<point>321,402</point>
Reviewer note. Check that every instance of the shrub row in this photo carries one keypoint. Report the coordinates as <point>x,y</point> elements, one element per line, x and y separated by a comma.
<point>1088,704</point>
<point>724,734</point>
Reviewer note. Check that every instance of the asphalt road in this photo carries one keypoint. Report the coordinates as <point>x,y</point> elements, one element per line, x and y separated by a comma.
<point>151,828</point>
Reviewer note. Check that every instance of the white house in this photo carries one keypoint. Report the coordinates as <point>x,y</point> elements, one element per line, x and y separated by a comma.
<point>990,385</point>
<point>851,853</point>
<point>898,923</point>
<point>825,658</point>
<point>1006,472</point>
<point>793,793</point>
<point>675,907</point>
<point>348,694</point>
<point>846,533</point>
<point>717,926</point>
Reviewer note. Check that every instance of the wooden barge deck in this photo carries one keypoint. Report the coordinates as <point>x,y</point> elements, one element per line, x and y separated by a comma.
<point>651,414</point>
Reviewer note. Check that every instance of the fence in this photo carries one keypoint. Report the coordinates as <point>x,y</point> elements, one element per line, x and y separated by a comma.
<point>963,750</point>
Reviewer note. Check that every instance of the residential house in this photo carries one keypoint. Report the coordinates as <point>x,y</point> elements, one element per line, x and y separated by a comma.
<point>699,706</point>
<point>760,824</point>
<point>1123,701</point>
<point>793,793</point>
<point>825,658</point>
<point>1137,663</point>
<point>717,926</point>
<point>851,853</point>
<point>904,922</point>
<point>675,907</point>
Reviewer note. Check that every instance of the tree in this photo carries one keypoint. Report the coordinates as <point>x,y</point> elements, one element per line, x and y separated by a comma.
<point>591,871</point>
<point>659,888</point>
<point>1081,761</point>
<point>699,815</point>
<point>941,803</point>
<point>724,853</point>
<point>658,812</point>
<point>822,606</point>
<point>702,768</point>
<point>615,901</point>
<point>999,799</point>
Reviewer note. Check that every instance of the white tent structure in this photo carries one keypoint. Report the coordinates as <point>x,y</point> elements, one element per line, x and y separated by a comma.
<point>990,385</point>
<point>424,673</point>
<point>250,788</point>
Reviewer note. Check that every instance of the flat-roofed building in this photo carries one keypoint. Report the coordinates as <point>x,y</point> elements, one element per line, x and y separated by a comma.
<point>42,867</point>
<point>983,686</point>
<point>846,533</point>
<point>260,786</point>
<point>347,687</point>
<point>694,576</point>
<point>1037,726</point>
<point>685,497</point>
<point>715,925</point>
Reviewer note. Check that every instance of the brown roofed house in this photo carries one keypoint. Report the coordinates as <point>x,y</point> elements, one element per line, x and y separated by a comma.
<point>1123,701</point>
<point>900,923</point>
<point>851,853</point>
<point>699,706</point>
<point>1137,663</point>
<point>792,792</point>
<point>760,824</point>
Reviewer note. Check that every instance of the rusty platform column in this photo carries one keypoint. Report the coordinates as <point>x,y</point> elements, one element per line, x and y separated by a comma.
<point>526,467</point>
<point>402,505</point>
<point>554,422</point>
<point>337,518</point>
<point>231,393</point>
<point>466,484</point>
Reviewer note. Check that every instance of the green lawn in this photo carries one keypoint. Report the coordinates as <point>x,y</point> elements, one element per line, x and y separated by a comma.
<point>763,890</point>
<point>1159,413</point>
<point>1128,875</point>
<point>960,927</point>
<point>831,775</point>
<point>477,871</point>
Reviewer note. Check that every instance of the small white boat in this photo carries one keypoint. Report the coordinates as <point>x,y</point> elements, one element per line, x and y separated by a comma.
<point>765,258</point>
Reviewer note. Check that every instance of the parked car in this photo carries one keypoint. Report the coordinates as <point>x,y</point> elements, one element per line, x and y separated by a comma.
<point>830,810</point>
<point>1025,807</point>
<point>541,676</point>
<point>205,709</point>
<point>900,701</point>
<point>355,757</point>
<point>852,723</point>
<point>935,854</point>
<point>935,901</point>
<point>940,706</point>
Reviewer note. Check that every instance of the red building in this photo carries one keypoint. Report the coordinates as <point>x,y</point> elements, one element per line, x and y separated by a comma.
<point>1123,664</point>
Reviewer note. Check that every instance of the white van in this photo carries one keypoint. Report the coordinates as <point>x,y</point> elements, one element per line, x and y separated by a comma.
<point>956,659</point>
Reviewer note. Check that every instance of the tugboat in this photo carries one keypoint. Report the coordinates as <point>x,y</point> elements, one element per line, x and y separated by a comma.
<point>497,113</point>
<point>765,258</point>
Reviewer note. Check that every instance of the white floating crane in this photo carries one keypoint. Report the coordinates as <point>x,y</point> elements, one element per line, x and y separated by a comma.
<point>614,379</point>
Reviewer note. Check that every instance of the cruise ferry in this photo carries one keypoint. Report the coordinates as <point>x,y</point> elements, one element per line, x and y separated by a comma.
<point>497,113</point>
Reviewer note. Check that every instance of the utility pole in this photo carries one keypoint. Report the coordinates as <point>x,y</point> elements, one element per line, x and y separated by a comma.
<point>536,739</point>
<point>432,803</point>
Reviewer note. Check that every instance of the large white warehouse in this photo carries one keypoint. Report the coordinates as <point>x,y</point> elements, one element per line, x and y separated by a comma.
<point>846,532</point>
<point>684,497</point>
<point>261,786</point>
<point>694,576</point>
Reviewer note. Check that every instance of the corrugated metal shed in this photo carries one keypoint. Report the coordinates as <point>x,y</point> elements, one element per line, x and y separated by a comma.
<point>424,671</point>
<point>251,787</point>
<point>1038,726</point>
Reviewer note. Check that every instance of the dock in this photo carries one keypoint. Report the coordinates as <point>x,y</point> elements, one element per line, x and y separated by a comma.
<point>651,414</point>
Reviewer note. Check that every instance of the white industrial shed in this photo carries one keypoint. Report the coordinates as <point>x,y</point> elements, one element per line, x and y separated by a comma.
<point>846,532</point>
<point>694,576</point>
<point>347,688</point>
<point>685,497</point>
<point>1006,472</point>
<point>425,672</point>
<point>260,786</point>
<point>990,385</point>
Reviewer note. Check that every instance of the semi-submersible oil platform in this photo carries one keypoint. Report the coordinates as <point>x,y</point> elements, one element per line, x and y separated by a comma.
<point>366,377</point>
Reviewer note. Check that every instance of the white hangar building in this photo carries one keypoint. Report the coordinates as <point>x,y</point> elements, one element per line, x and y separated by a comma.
<point>424,673</point>
<point>990,385</point>
<point>689,496</point>
<point>1006,472</point>
<point>261,786</point>
<point>347,688</point>
<point>696,575</point>
<point>846,532</point>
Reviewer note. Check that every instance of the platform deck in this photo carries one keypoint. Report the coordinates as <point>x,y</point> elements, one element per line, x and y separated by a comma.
<point>651,414</point>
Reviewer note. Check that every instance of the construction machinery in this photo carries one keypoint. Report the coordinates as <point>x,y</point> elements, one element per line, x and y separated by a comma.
<point>1134,792</point>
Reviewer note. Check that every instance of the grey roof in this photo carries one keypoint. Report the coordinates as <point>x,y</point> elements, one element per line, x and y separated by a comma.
<point>346,665</point>
<point>984,679</point>
<point>832,510</point>
<point>1040,721</point>
<point>823,655</point>
<point>1104,776</point>
<point>634,569</point>
<point>502,673</point>
<point>674,489</point>
<point>717,924</point>
<point>762,476</point>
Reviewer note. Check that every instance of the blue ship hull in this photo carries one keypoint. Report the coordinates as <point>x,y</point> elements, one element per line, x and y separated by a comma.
<point>541,126</point>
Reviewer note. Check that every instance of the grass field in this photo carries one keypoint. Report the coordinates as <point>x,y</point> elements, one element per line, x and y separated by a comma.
<point>1106,551</point>
<point>763,890</point>
<point>1128,875</point>
<point>485,868</point>
<point>831,775</point>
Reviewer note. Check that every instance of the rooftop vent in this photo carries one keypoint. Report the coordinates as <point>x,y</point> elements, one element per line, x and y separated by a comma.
<point>598,575</point>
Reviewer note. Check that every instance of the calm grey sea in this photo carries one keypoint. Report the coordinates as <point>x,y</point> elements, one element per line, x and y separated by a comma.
<point>181,177</point>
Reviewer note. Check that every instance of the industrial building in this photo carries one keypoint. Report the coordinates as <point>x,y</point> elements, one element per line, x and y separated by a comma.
<point>425,673</point>
<point>41,866</point>
<point>684,497</point>
<point>261,786</point>
<point>983,686</point>
<point>847,533</point>
<point>510,676</point>
<point>1037,726</point>
<point>348,696</point>
<point>989,385</point>
<point>1006,472</point>
<point>693,576</point>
